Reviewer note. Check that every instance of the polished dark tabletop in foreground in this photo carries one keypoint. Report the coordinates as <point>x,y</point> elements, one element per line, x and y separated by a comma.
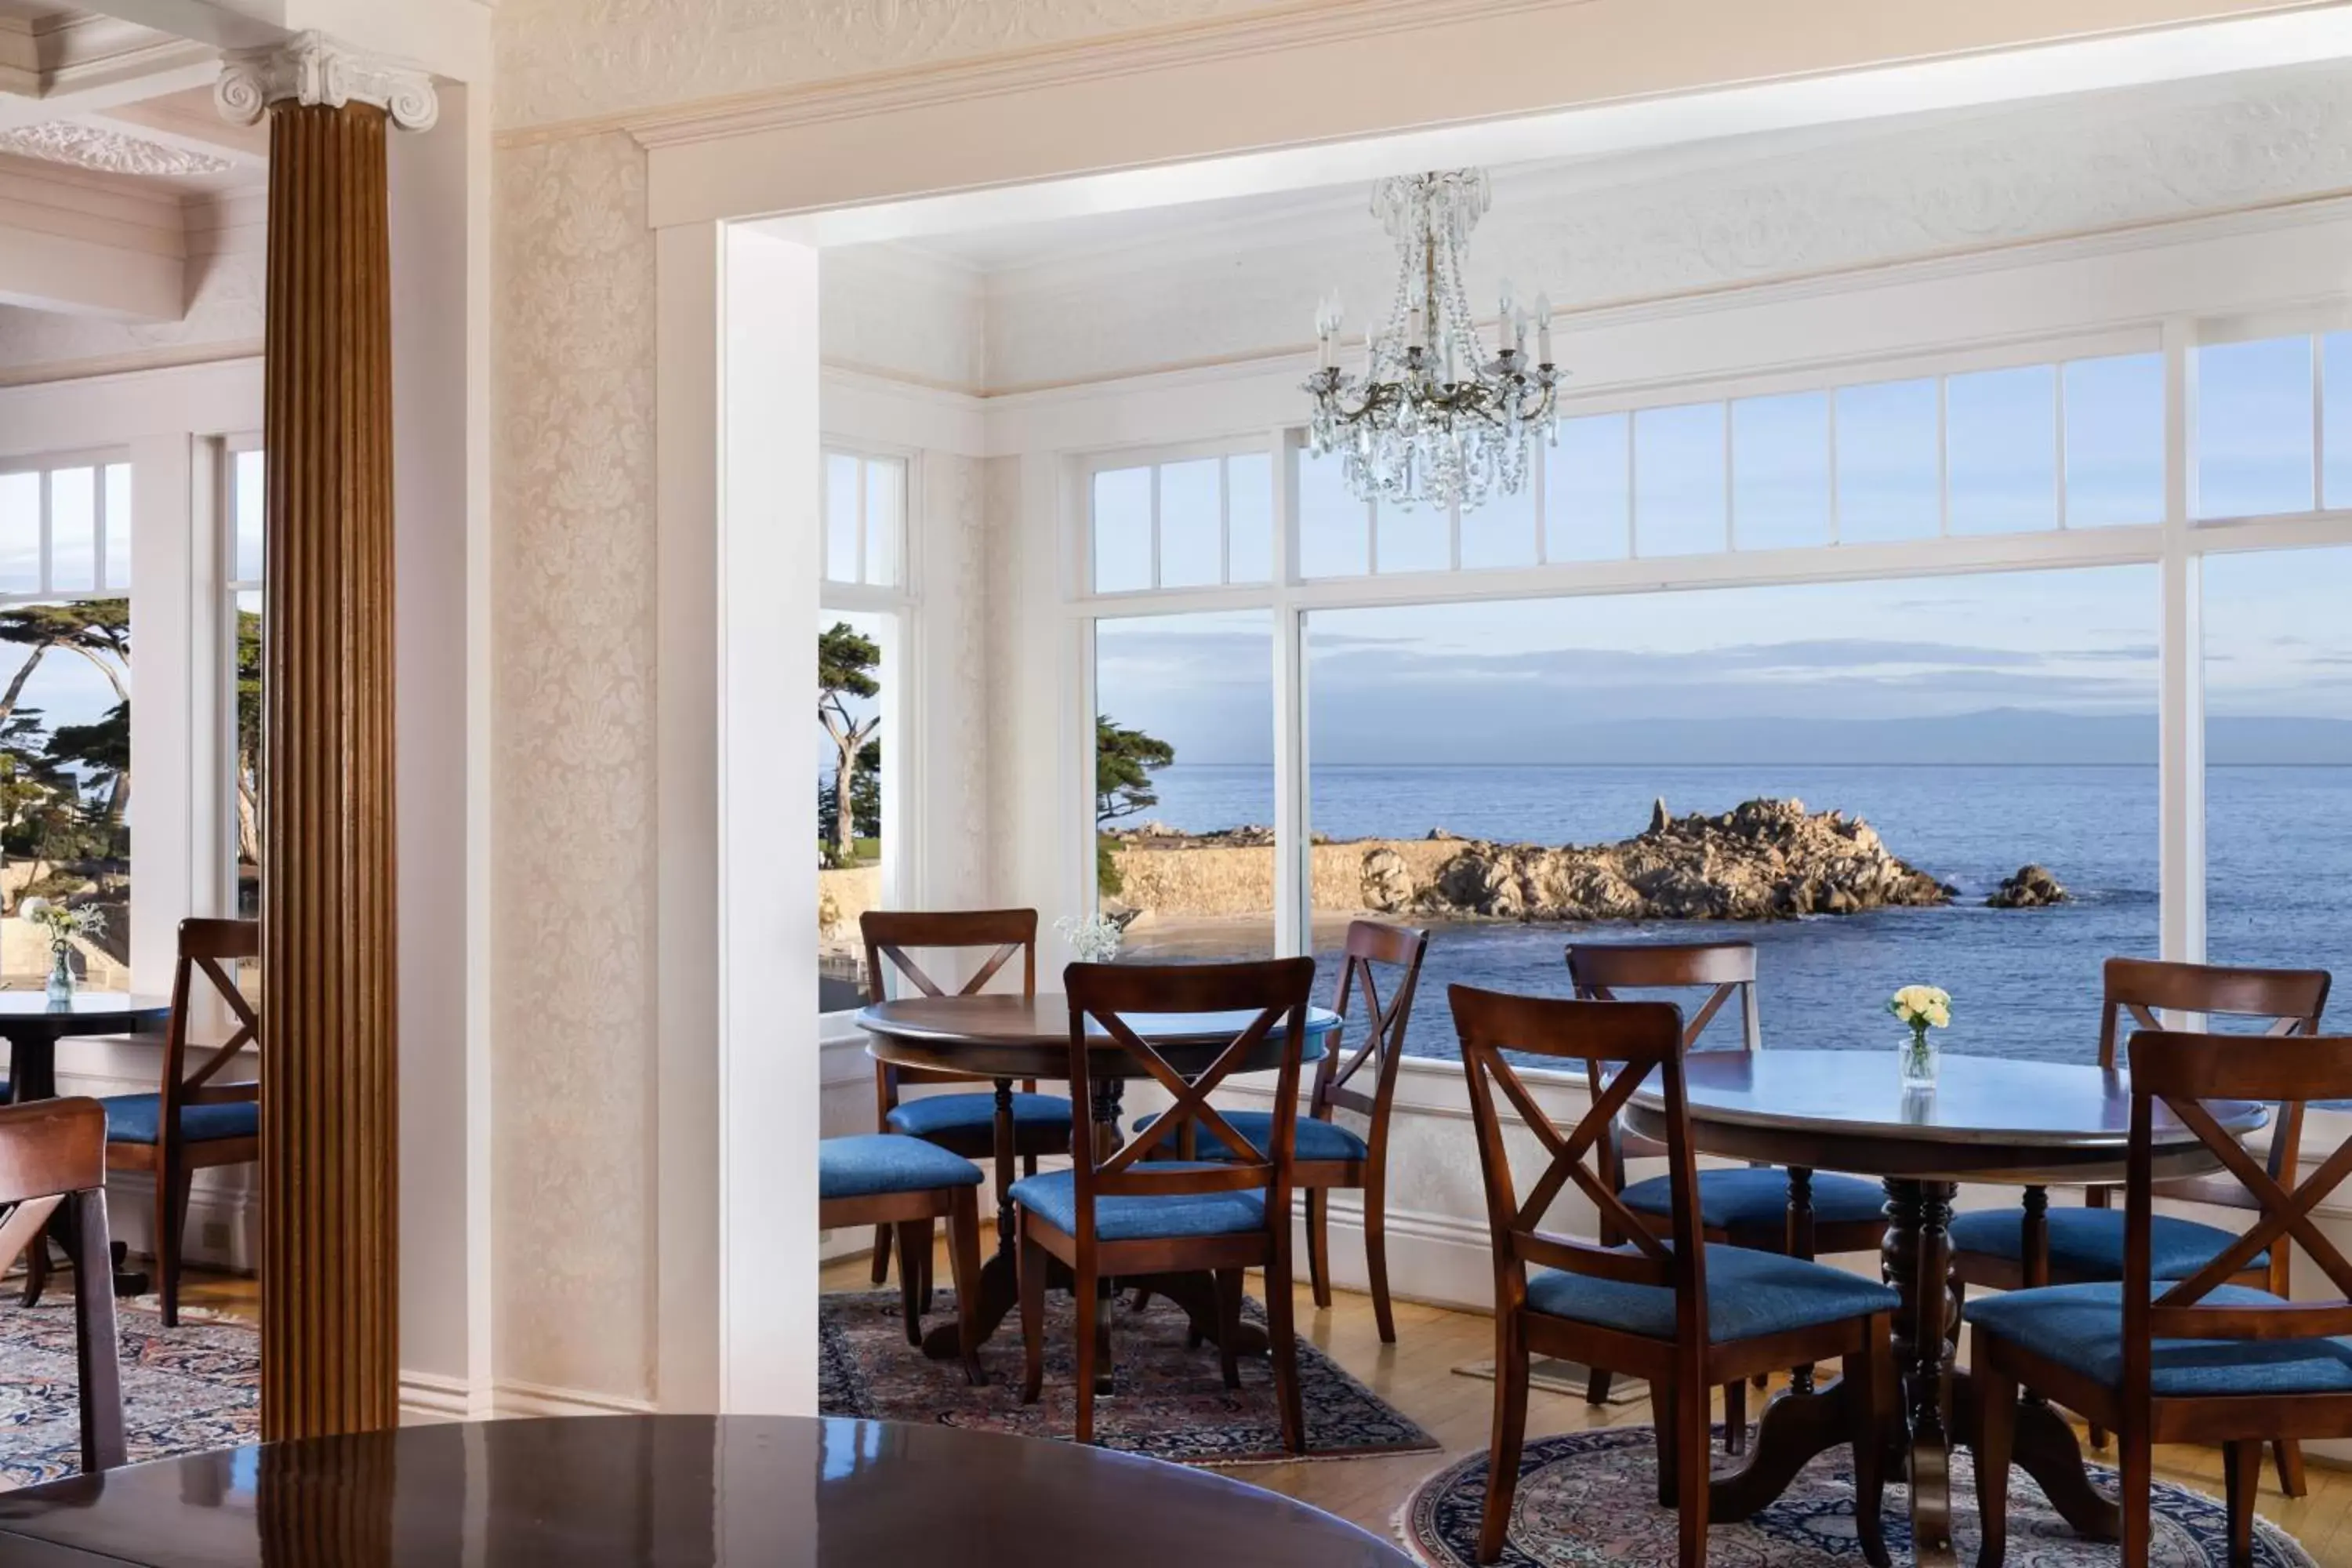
<point>593,1491</point>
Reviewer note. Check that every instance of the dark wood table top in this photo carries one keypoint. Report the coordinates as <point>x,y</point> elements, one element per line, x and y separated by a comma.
<point>1988,1118</point>
<point>30,1015</point>
<point>1021,1037</point>
<point>672,1490</point>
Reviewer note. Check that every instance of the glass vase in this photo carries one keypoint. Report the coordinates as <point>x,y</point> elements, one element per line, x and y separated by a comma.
<point>1917,1056</point>
<point>61,974</point>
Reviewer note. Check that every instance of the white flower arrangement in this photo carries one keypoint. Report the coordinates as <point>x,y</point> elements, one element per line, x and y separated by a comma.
<point>1095,939</point>
<point>1921,1008</point>
<point>63,924</point>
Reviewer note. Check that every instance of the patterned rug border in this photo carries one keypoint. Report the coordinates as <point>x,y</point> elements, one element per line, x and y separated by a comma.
<point>1421,1441</point>
<point>1404,1523</point>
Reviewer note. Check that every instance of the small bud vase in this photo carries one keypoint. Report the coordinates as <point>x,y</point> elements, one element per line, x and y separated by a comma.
<point>61,974</point>
<point>1917,1056</point>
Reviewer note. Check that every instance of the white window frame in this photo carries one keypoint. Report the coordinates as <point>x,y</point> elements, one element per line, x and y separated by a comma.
<point>98,459</point>
<point>867,595</point>
<point>900,607</point>
<point>1156,458</point>
<point>2175,545</point>
<point>224,554</point>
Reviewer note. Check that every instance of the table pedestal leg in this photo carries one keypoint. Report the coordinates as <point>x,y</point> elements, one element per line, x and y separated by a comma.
<point>1000,1276</point>
<point>1916,1260</point>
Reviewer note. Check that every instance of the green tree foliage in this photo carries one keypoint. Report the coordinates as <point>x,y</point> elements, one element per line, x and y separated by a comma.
<point>1125,760</point>
<point>248,737</point>
<point>44,813</point>
<point>847,659</point>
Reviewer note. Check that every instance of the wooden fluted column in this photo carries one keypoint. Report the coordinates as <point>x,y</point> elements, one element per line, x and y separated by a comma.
<point>330,1090</point>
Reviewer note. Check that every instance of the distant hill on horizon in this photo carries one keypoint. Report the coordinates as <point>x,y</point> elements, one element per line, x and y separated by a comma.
<point>1990,737</point>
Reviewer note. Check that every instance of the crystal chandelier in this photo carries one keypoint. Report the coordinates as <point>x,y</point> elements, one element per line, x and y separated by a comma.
<point>1435,417</point>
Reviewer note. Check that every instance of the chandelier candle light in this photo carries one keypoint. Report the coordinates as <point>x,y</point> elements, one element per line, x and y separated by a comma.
<point>1435,417</point>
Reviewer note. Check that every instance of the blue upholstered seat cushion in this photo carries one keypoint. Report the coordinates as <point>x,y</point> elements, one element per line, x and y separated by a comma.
<point>1752,1199</point>
<point>134,1118</point>
<point>1748,1294</point>
<point>2088,1244</point>
<point>1316,1140</point>
<point>1054,1199</point>
<point>2083,1326</point>
<point>937,1113</point>
<point>871,1164</point>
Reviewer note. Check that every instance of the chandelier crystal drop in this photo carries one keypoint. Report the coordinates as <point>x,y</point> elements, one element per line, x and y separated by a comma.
<point>1434,418</point>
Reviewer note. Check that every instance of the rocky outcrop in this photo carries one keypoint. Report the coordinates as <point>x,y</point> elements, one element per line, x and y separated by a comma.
<point>2030,889</point>
<point>1767,859</point>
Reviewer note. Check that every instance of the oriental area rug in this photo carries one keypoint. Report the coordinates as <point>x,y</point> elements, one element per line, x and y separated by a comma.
<point>1170,1402</point>
<point>1590,1498</point>
<point>185,1390</point>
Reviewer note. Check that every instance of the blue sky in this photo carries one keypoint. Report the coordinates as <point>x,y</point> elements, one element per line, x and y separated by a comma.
<point>2019,667</point>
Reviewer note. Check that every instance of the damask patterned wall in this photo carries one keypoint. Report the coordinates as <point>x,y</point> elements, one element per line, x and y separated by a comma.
<point>573,1075</point>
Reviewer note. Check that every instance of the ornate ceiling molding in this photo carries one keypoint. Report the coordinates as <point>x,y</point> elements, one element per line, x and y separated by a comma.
<point>311,69</point>
<point>107,152</point>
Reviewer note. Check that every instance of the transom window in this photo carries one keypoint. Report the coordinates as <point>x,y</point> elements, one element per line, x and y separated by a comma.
<point>1183,523</point>
<point>2016,450</point>
<point>864,519</point>
<point>2274,426</point>
<point>64,528</point>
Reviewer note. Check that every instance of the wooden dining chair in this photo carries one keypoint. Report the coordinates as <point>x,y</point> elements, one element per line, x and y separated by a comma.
<point>891,1180</point>
<point>2005,1249</point>
<point>1332,1156</point>
<point>1115,1213</point>
<point>1682,1313</point>
<point>192,1124</point>
<point>2193,1358</point>
<point>53,1157</point>
<point>1793,1212</point>
<point>967,1123</point>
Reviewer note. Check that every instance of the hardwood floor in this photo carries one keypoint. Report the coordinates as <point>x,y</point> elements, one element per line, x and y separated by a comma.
<point>1416,1376</point>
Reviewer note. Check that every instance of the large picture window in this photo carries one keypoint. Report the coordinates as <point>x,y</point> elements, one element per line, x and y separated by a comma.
<point>65,712</point>
<point>1845,774</point>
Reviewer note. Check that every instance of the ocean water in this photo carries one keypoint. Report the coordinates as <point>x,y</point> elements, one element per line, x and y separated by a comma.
<point>2024,982</point>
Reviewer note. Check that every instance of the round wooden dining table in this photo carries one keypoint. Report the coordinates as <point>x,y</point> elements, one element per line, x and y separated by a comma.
<point>681,1491</point>
<point>1011,1037</point>
<point>1989,1119</point>
<point>32,1025</point>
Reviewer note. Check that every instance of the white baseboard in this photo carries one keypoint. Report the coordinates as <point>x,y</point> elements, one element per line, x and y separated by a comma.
<point>429,1397</point>
<point>223,1228</point>
<point>511,1397</point>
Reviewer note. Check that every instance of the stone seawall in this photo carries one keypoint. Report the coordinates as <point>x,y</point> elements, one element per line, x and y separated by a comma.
<point>1217,879</point>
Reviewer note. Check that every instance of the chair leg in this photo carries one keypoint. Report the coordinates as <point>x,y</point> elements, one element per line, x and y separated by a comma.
<point>1229,1324</point>
<point>963,1265</point>
<point>2289,1453</point>
<point>1692,1442</point>
<point>1996,1440</point>
<point>172,1189</point>
<point>2098,1438</point>
<point>2241,1463</point>
<point>1596,1386</point>
<point>881,1254</point>
<point>1735,1416</point>
<point>1033,1319</point>
<point>914,1240</point>
<point>923,1295</point>
<point>1088,1302</point>
<point>96,1350</point>
<point>1376,1255</point>
<point>1662,1413</point>
<point>1508,1439</point>
<point>1871,1372</point>
<point>1318,1245</point>
<point>1282,1337</point>
<point>2135,1452</point>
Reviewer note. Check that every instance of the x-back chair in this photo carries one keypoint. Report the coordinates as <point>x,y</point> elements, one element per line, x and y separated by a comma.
<point>1669,1307</point>
<point>999,1125</point>
<point>2004,1249</point>
<point>1794,1212</point>
<point>2185,1358</point>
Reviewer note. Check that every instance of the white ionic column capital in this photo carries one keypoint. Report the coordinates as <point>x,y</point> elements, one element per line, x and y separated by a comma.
<point>311,69</point>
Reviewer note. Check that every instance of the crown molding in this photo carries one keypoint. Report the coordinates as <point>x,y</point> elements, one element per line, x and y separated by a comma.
<point>1294,26</point>
<point>312,69</point>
